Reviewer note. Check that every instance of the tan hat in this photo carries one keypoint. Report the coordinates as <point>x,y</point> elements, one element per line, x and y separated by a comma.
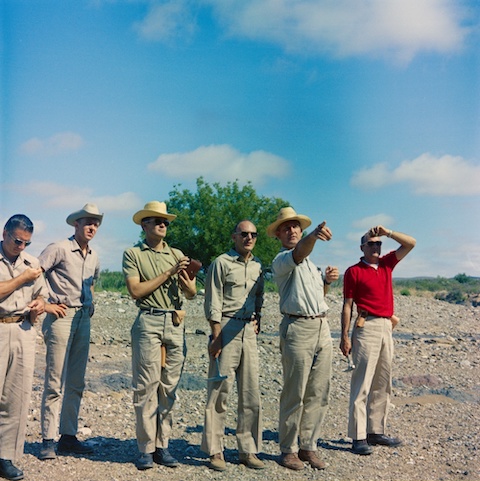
<point>286,214</point>
<point>88,210</point>
<point>153,209</point>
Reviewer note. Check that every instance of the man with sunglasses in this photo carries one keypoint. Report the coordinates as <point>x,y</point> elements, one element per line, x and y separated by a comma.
<point>233,303</point>
<point>156,278</point>
<point>368,284</point>
<point>305,340</point>
<point>71,267</point>
<point>22,294</point>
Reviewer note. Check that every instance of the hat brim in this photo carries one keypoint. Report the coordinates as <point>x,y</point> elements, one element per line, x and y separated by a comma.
<point>72,218</point>
<point>302,219</point>
<point>142,214</point>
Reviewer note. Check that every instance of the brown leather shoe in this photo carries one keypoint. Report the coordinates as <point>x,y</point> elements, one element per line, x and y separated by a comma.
<point>291,461</point>
<point>217,463</point>
<point>311,458</point>
<point>251,461</point>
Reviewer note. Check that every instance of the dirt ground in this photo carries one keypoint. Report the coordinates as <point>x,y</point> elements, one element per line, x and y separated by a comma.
<point>435,402</point>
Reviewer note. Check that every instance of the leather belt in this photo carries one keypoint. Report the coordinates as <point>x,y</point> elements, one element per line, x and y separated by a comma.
<point>11,319</point>
<point>154,311</point>
<point>295,316</point>
<point>243,319</point>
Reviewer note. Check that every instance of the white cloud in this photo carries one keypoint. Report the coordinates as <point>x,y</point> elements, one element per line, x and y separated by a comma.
<point>362,225</point>
<point>57,144</point>
<point>398,28</point>
<point>221,163</point>
<point>427,175</point>
<point>71,198</point>
<point>167,20</point>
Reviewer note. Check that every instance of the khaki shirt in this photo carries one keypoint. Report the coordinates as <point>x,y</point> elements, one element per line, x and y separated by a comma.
<point>16,303</point>
<point>70,275</point>
<point>233,287</point>
<point>300,286</point>
<point>145,263</point>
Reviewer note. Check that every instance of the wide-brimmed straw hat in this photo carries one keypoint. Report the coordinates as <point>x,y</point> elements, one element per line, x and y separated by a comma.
<point>88,210</point>
<point>153,209</point>
<point>286,214</point>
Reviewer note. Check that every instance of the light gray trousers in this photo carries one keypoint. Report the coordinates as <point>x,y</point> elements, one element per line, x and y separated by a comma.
<point>239,361</point>
<point>67,340</point>
<point>306,348</point>
<point>17,360</point>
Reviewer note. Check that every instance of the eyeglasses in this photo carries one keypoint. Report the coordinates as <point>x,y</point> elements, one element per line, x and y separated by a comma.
<point>373,243</point>
<point>158,221</point>
<point>246,234</point>
<point>19,242</point>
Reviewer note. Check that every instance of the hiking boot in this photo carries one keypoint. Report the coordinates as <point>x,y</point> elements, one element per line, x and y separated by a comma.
<point>291,461</point>
<point>217,463</point>
<point>163,456</point>
<point>70,444</point>
<point>360,446</point>
<point>144,461</point>
<point>250,460</point>
<point>311,458</point>
<point>9,471</point>
<point>47,451</point>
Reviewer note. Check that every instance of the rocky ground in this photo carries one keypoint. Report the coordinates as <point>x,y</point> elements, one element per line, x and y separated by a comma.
<point>435,403</point>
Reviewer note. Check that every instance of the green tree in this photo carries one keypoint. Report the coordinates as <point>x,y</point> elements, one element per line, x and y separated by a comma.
<point>206,219</point>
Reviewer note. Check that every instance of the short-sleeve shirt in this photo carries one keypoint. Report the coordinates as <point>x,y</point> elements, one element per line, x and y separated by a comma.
<point>233,287</point>
<point>146,263</point>
<point>70,275</point>
<point>300,286</point>
<point>16,303</point>
<point>371,288</point>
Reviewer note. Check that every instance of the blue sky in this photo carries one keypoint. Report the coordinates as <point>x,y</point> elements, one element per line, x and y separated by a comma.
<point>356,112</point>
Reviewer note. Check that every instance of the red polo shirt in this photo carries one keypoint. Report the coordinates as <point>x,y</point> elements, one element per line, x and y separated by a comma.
<point>371,289</point>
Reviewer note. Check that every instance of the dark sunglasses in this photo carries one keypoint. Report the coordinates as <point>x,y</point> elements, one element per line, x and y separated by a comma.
<point>158,221</point>
<point>19,242</point>
<point>246,234</point>
<point>373,243</point>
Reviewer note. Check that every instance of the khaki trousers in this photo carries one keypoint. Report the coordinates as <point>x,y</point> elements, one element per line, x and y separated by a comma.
<point>371,384</point>
<point>306,348</point>
<point>17,359</point>
<point>154,388</point>
<point>238,360</point>
<point>67,340</point>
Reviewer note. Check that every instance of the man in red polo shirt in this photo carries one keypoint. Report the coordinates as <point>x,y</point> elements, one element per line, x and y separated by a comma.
<point>368,284</point>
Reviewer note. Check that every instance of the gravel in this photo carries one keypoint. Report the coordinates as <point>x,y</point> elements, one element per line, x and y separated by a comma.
<point>434,406</point>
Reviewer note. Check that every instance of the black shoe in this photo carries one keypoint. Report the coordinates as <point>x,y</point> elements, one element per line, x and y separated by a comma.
<point>144,461</point>
<point>163,456</point>
<point>383,440</point>
<point>360,446</point>
<point>70,444</point>
<point>47,451</point>
<point>9,471</point>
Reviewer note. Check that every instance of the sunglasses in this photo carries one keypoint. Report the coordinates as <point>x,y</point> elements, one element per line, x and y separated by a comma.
<point>246,234</point>
<point>19,242</point>
<point>158,221</point>
<point>373,243</point>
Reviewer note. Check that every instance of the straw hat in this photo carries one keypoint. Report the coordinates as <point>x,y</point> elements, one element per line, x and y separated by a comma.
<point>153,209</point>
<point>286,214</point>
<point>88,210</point>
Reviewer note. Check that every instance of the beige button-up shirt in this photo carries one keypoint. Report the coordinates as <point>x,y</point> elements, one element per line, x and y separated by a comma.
<point>300,286</point>
<point>70,275</point>
<point>16,303</point>
<point>233,287</point>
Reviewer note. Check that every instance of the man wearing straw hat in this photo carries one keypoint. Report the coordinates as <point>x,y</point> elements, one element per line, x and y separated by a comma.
<point>71,267</point>
<point>22,294</point>
<point>305,341</point>
<point>233,303</point>
<point>156,278</point>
